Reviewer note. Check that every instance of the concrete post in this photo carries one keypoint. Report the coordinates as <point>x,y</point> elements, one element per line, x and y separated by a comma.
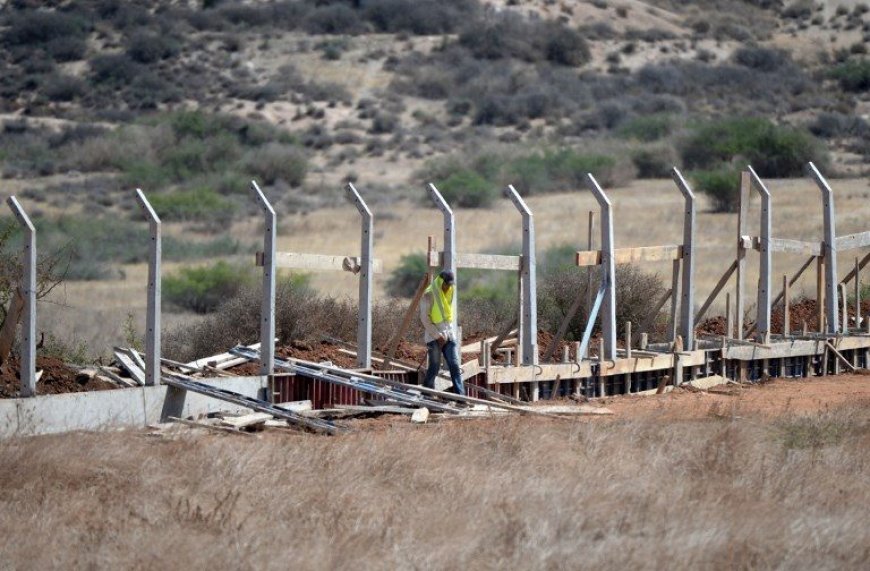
<point>152,320</point>
<point>608,267</point>
<point>829,249</point>
<point>364,318</point>
<point>267,308</point>
<point>449,262</point>
<point>529,308</point>
<point>27,373</point>
<point>687,325</point>
<point>762,329</point>
<point>858,318</point>
<point>742,218</point>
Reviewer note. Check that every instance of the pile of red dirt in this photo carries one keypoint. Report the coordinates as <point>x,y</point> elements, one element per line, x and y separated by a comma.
<point>57,377</point>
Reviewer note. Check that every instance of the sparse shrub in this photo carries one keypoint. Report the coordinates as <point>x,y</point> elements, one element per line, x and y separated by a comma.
<point>333,19</point>
<point>203,289</point>
<point>424,18</point>
<point>829,125</point>
<point>468,189</point>
<point>722,185</point>
<point>66,48</point>
<point>853,75</point>
<point>403,280</point>
<point>27,28</point>
<point>647,128</point>
<point>508,35</point>
<point>384,123</point>
<point>276,161</point>
<point>61,87</point>
<point>114,69</point>
<point>763,59</point>
<point>799,10</point>
<point>146,47</point>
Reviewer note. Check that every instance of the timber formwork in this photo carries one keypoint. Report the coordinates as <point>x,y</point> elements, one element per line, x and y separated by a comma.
<point>529,373</point>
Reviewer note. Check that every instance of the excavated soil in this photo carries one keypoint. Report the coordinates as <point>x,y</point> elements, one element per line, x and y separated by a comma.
<point>770,399</point>
<point>57,377</point>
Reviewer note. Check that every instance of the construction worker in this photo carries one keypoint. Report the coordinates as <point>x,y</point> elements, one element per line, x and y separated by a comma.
<point>436,314</point>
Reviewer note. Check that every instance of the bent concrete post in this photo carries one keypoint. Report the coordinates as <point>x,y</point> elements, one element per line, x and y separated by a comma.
<point>762,330</point>
<point>152,321</point>
<point>267,308</point>
<point>364,318</point>
<point>829,249</point>
<point>27,373</point>
<point>608,268</point>
<point>449,262</point>
<point>528,272</point>
<point>687,311</point>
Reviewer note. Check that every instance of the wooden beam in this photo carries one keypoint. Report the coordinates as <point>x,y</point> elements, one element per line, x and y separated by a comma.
<point>791,282</point>
<point>393,343</point>
<point>716,290</point>
<point>840,357</point>
<point>853,272</point>
<point>852,241</point>
<point>631,255</point>
<point>321,262</point>
<point>793,246</point>
<point>742,222</point>
<point>542,372</point>
<point>479,261</point>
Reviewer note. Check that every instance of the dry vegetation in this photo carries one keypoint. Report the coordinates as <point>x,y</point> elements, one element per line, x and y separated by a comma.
<point>784,488</point>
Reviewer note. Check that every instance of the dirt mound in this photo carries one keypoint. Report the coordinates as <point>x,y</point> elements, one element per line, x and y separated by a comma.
<point>57,377</point>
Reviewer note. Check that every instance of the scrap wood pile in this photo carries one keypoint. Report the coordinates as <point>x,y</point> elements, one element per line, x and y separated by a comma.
<point>383,397</point>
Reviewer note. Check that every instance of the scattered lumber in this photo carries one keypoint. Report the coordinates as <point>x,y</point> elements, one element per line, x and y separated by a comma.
<point>111,373</point>
<point>247,420</point>
<point>207,426</point>
<point>128,364</point>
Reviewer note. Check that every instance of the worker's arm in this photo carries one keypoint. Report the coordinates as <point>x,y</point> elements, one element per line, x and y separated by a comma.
<point>425,307</point>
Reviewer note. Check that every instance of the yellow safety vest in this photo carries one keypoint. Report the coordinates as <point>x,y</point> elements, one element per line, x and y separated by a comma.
<point>442,303</point>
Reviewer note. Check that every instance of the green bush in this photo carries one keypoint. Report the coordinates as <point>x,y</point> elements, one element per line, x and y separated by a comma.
<point>276,161</point>
<point>202,289</point>
<point>654,162</point>
<point>722,185</point>
<point>403,281</point>
<point>467,188</point>
<point>773,150</point>
<point>853,75</point>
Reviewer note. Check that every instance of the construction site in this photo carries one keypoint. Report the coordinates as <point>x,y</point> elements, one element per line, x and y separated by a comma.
<point>509,372</point>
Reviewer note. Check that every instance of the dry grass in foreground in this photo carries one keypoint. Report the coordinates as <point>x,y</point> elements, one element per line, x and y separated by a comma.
<point>788,492</point>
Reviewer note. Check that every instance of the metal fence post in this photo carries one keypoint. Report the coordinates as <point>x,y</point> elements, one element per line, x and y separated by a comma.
<point>27,373</point>
<point>364,318</point>
<point>762,331</point>
<point>267,309</point>
<point>608,267</point>
<point>528,276</point>
<point>152,321</point>
<point>687,311</point>
<point>829,249</point>
<point>449,262</point>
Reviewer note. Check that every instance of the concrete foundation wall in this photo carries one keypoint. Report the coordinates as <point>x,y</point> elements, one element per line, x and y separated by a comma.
<point>134,407</point>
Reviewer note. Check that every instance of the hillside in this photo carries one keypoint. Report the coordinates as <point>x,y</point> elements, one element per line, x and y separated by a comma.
<point>191,100</point>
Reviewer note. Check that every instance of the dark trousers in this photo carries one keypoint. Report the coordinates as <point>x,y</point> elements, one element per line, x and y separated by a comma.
<point>451,354</point>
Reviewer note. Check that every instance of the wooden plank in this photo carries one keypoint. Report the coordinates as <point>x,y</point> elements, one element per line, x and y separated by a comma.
<point>210,426</point>
<point>478,261</point>
<point>136,373</point>
<point>791,282</point>
<point>644,364</point>
<point>861,264</point>
<point>793,246</point>
<point>218,361</point>
<point>246,420</point>
<point>852,241</point>
<point>323,262</point>
<point>841,358</point>
<point>631,255</point>
<point>296,406</point>
<point>544,372</point>
<point>393,343</point>
<point>117,378</point>
<point>716,290</point>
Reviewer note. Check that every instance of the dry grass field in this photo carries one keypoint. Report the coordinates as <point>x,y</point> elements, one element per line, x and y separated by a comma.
<point>680,483</point>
